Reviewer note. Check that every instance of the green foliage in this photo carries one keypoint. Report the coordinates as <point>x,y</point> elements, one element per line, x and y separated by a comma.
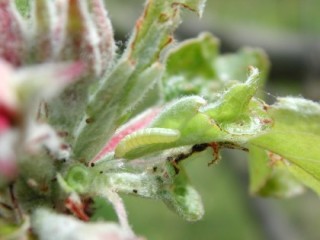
<point>269,178</point>
<point>295,137</point>
<point>193,59</point>
<point>195,67</point>
<point>130,74</point>
<point>139,157</point>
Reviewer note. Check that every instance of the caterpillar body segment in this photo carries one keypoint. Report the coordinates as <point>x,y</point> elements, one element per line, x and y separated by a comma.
<point>144,137</point>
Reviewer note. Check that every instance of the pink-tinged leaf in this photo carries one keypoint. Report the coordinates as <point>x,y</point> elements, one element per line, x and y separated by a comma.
<point>11,38</point>
<point>139,122</point>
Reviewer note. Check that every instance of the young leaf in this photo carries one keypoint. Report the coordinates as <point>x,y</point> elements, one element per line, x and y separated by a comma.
<point>154,177</point>
<point>269,177</point>
<point>101,118</point>
<point>189,67</point>
<point>144,48</point>
<point>138,87</point>
<point>154,29</point>
<point>235,102</point>
<point>196,123</point>
<point>194,67</point>
<point>193,58</point>
<point>75,34</point>
<point>295,136</point>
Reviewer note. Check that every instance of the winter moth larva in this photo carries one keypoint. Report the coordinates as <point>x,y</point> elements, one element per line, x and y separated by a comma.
<point>145,137</point>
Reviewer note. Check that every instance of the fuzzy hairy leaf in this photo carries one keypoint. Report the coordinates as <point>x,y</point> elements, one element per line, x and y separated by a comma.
<point>153,32</point>
<point>100,120</point>
<point>154,29</point>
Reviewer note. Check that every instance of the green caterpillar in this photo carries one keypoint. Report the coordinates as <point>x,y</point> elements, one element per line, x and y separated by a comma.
<point>145,137</point>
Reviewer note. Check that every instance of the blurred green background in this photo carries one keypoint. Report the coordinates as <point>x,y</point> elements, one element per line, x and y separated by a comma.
<point>289,31</point>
